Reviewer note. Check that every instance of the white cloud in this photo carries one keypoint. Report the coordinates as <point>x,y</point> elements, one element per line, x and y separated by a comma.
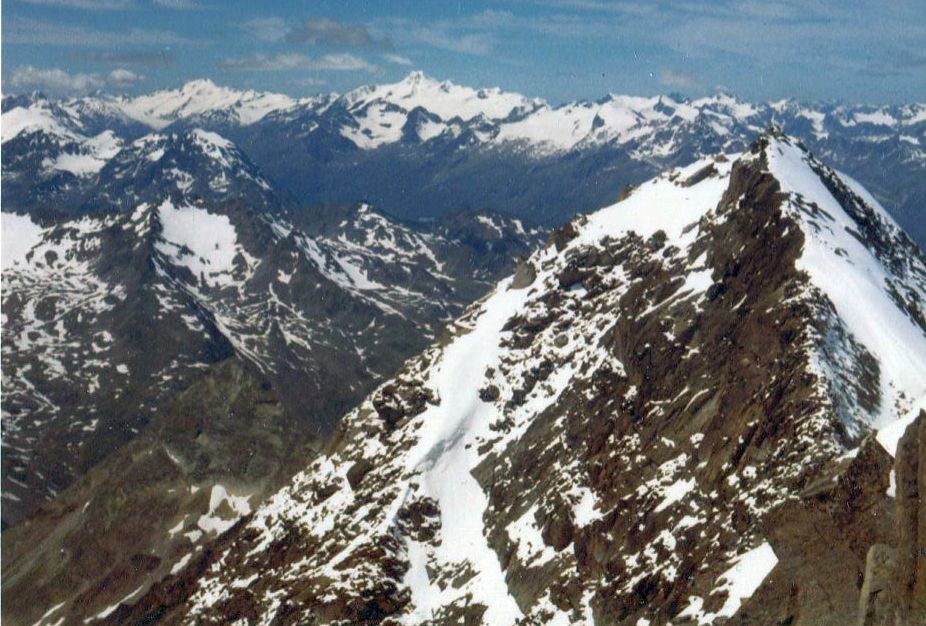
<point>53,81</point>
<point>338,62</point>
<point>308,81</point>
<point>439,37</point>
<point>397,59</point>
<point>324,31</point>
<point>122,77</point>
<point>180,5</point>
<point>342,61</point>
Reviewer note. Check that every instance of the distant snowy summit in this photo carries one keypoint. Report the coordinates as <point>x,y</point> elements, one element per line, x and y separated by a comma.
<point>514,117</point>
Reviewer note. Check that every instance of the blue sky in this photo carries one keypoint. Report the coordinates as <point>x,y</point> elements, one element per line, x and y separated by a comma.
<point>559,49</point>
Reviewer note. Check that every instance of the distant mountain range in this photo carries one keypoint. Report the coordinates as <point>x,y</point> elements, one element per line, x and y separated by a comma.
<point>207,291</point>
<point>419,148</point>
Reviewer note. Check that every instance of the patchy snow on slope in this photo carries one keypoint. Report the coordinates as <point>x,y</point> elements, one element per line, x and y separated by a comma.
<point>379,125</point>
<point>443,459</point>
<point>213,522</point>
<point>674,493</point>
<point>738,583</point>
<point>748,572</point>
<point>20,234</point>
<point>203,242</point>
<point>879,117</point>
<point>110,609</point>
<point>213,145</point>
<point>889,436</point>
<point>661,204</point>
<point>556,129</point>
<point>93,155</point>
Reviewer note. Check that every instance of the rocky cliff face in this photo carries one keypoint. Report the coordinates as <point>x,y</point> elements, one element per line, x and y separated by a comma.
<point>910,568</point>
<point>666,417</point>
<point>205,460</point>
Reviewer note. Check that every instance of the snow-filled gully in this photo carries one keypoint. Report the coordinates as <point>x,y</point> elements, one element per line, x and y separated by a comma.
<point>443,460</point>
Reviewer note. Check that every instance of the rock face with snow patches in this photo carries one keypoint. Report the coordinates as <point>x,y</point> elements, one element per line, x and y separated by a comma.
<point>676,412</point>
<point>190,165</point>
<point>108,316</point>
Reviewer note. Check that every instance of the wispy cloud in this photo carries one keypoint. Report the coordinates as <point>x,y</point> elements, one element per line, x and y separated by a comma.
<point>17,30</point>
<point>114,5</point>
<point>56,81</point>
<point>397,59</point>
<point>130,57</point>
<point>90,5</point>
<point>316,31</point>
<point>122,77</point>
<point>308,81</point>
<point>179,5</point>
<point>270,29</point>
<point>479,34</point>
<point>675,79</point>
<point>291,61</point>
<point>462,36</point>
<point>447,35</point>
<point>324,31</point>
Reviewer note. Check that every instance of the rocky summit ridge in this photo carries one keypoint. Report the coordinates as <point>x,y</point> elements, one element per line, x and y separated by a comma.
<point>685,409</point>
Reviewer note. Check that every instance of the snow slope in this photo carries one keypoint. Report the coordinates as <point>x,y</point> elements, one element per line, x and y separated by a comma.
<point>855,280</point>
<point>20,235</point>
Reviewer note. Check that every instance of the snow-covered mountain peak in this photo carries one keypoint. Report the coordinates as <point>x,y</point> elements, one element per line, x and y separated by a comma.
<point>38,116</point>
<point>195,165</point>
<point>855,253</point>
<point>193,143</point>
<point>445,99</point>
<point>202,97</point>
<point>728,103</point>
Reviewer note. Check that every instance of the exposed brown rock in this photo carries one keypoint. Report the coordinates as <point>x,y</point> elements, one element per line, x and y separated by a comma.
<point>109,533</point>
<point>877,598</point>
<point>524,275</point>
<point>910,468</point>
